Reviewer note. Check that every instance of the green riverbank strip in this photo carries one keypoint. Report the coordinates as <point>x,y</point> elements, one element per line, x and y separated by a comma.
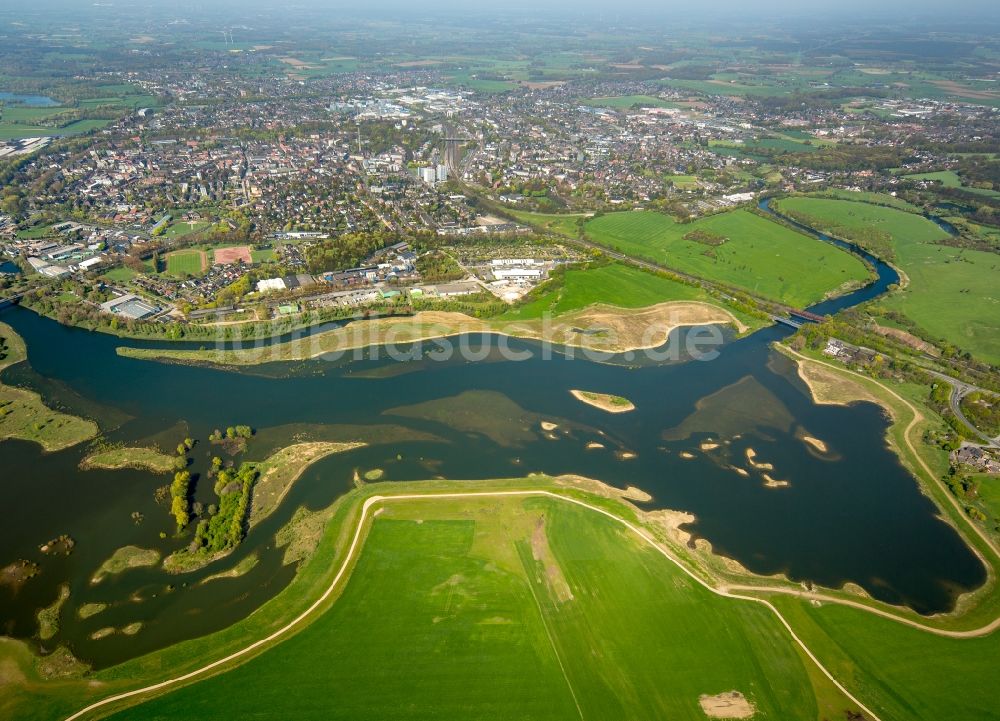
<point>942,278</point>
<point>24,416</point>
<point>150,459</point>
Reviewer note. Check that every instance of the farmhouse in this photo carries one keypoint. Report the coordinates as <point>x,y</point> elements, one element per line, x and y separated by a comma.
<point>979,458</point>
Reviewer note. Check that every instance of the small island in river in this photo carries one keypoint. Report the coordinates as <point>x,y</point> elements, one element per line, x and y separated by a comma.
<point>604,401</point>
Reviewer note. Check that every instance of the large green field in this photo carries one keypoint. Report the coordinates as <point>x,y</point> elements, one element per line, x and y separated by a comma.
<point>568,224</point>
<point>513,608</point>
<point>902,672</point>
<point>182,228</point>
<point>615,284</point>
<point>863,222</point>
<point>186,262</point>
<point>951,179</point>
<point>868,197</point>
<point>26,121</point>
<point>738,248</point>
<point>952,293</point>
<point>629,101</point>
<point>15,131</point>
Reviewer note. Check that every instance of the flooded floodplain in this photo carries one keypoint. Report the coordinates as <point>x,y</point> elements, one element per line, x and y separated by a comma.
<point>775,481</point>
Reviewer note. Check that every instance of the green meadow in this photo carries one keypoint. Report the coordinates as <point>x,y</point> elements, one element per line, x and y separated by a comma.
<point>569,224</point>
<point>22,121</point>
<point>952,292</point>
<point>616,284</point>
<point>738,248</point>
<point>14,131</point>
<point>182,227</point>
<point>629,101</point>
<point>901,672</point>
<point>725,87</point>
<point>868,197</point>
<point>513,608</point>
<point>951,179</point>
<point>861,221</point>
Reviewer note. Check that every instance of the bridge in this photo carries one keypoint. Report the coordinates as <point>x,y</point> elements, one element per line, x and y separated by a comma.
<point>791,322</point>
<point>12,300</point>
<point>806,315</point>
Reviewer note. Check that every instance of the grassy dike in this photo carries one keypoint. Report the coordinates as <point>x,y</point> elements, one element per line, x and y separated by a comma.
<point>37,698</point>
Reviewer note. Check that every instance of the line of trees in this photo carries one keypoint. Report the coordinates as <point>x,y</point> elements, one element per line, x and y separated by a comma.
<point>180,505</point>
<point>225,529</point>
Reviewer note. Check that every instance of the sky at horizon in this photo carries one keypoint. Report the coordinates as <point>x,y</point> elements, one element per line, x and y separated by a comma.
<point>902,10</point>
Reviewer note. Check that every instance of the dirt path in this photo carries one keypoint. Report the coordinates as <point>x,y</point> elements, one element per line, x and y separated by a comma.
<point>352,551</point>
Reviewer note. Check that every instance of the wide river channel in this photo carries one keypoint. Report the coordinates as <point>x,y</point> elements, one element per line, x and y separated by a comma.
<point>849,514</point>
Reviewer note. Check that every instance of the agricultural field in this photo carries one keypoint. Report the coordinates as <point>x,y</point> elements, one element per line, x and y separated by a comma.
<point>867,197</point>
<point>481,85</point>
<point>784,145</point>
<point>738,248</point>
<point>727,87</point>
<point>186,262</point>
<point>906,673</point>
<point>15,131</point>
<point>28,121</point>
<point>951,179</point>
<point>863,222</point>
<point>616,284</point>
<point>626,102</point>
<point>952,292</point>
<point>517,607</point>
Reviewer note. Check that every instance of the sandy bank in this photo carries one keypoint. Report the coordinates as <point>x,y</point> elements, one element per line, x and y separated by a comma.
<point>604,401</point>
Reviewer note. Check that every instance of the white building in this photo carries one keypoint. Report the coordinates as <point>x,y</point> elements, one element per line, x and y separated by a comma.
<point>263,286</point>
<point>517,274</point>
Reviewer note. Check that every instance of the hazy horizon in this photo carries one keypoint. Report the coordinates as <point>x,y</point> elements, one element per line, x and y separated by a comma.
<point>902,11</point>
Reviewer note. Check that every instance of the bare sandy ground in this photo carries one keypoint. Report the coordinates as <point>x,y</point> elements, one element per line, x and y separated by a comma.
<point>600,328</point>
<point>816,443</point>
<point>726,705</point>
<point>831,388</point>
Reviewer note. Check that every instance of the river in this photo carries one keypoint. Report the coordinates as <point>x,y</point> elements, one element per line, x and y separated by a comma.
<point>853,514</point>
